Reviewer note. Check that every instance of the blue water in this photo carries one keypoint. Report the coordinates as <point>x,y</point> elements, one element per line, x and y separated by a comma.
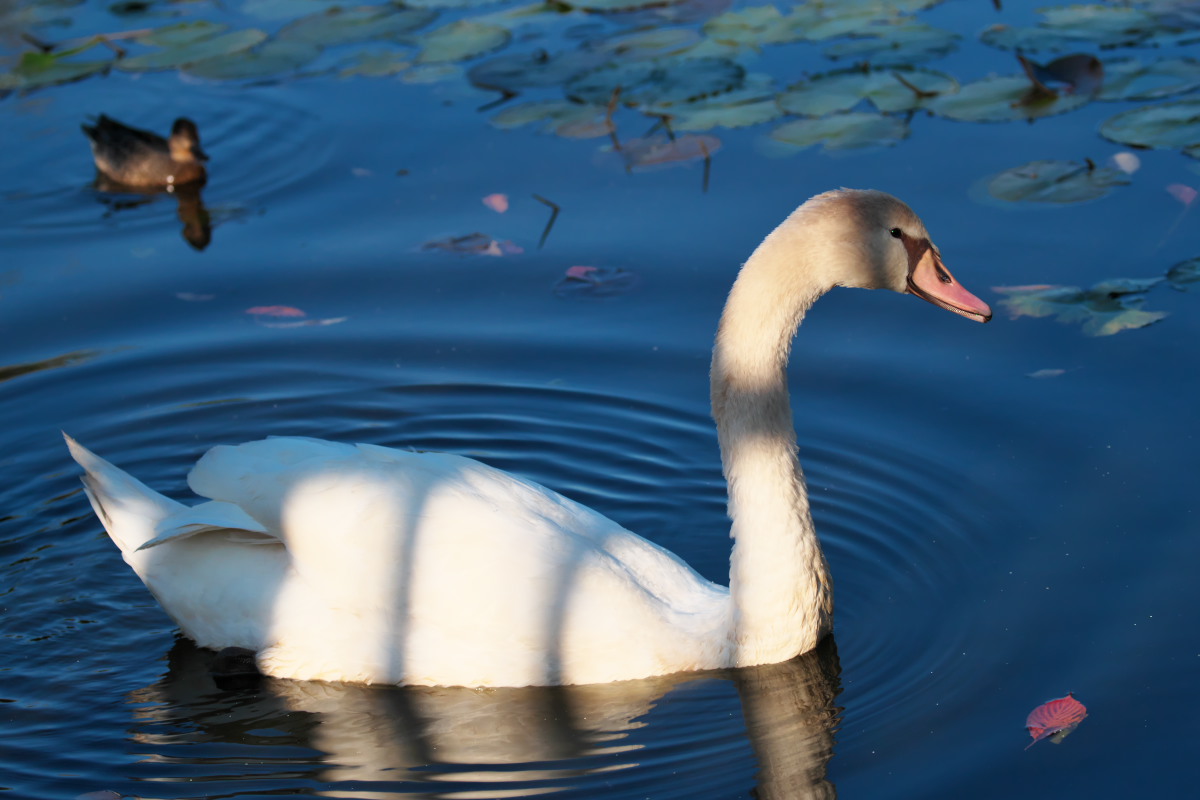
<point>996,540</point>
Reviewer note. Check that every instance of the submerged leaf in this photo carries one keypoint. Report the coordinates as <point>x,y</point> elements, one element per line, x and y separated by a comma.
<point>1185,275</point>
<point>661,83</point>
<point>595,282</point>
<point>662,151</point>
<point>512,72</point>
<point>843,131</point>
<point>1058,716</point>
<point>1055,182</point>
<point>570,120</point>
<point>1175,124</point>
<point>476,244</point>
<point>460,41</point>
<point>1106,308</point>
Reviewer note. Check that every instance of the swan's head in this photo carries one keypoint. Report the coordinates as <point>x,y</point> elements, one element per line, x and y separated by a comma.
<point>878,242</point>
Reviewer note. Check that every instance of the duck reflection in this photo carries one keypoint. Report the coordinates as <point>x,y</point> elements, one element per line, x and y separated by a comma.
<point>134,167</point>
<point>386,741</point>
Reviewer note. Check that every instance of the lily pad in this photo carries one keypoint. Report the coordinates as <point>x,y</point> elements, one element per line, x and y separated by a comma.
<point>900,44</point>
<point>753,27</point>
<point>36,69</point>
<point>753,104</point>
<point>376,64</point>
<point>1166,125</point>
<point>1106,308</point>
<point>843,131</point>
<point>460,41</point>
<point>569,120</point>
<point>274,57</point>
<point>191,52</point>
<point>658,83</point>
<point>649,44</point>
<point>1003,99</point>
<point>1072,26</point>
<point>1131,79</point>
<point>513,72</point>
<point>1055,182</point>
<point>889,91</point>
<point>337,25</point>
<point>1185,275</point>
<point>181,33</point>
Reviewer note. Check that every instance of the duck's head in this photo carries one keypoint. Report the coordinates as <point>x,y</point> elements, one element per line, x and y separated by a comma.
<point>885,246</point>
<point>185,141</point>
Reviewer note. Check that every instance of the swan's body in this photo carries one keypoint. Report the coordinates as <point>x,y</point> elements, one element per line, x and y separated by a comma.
<point>368,564</point>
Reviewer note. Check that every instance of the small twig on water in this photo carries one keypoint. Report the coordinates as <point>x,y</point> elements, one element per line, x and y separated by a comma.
<point>608,118</point>
<point>554,209</point>
<point>707,166</point>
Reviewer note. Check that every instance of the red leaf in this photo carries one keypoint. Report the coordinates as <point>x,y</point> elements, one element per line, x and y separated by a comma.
<point>1054,716</point>
<point>275,311</point>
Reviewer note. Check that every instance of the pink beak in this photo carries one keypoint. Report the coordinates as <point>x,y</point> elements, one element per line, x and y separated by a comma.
<point>929,279</point>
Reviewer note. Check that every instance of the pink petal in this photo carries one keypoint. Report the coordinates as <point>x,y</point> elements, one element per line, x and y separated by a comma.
<point>496,202</point>
<point>1182,193</point>
<point>581,273</point>
<point>275,311</point>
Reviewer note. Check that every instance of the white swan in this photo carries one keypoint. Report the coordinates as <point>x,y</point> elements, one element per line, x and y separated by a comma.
<point>367,564</point>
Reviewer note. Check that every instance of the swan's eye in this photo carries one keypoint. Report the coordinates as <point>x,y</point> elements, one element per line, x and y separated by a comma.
<point>896,233</point>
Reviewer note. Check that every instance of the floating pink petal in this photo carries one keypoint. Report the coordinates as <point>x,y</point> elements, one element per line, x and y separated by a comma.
<point>275,311</point>
<point>1183,193</point>
<point>1060,715</point>
<point>1126,162</point>
<point>496,202</point>
<point>581,273</point>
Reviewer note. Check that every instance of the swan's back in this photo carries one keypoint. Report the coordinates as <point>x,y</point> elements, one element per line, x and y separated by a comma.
<point>428,568</point>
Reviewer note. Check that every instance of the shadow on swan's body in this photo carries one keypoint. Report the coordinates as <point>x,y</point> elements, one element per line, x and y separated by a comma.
<point>368,564</point>
<point>355,741</point>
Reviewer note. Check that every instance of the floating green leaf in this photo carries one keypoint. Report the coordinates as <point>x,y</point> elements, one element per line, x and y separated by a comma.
<point>1106,308</point>
<point>1003,99</point>
<point>570,120</point>
<point>191,52</point>
<point>902,44</point>
<point>1131,79</point>
<point>337,25</point>
<point>275,57</point>
<point>182,33</point>
<point>753,104</point>
<point>658,83</point>
<point>1166,125</point>
<point>513,72</point>
<point>460,41</point>
<point>1055,182</point>
<point>1185,275</point>
<point>37,69</point>
<point>843,131</point>
<point>753,27</point>
<point>1073,26</point>
<point>448,3</point>
<point>643,45</point>
<point>376,65</point>
<point>889,90</point>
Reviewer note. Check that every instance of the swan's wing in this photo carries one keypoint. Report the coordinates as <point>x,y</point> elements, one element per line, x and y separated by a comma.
<point>226,519</point>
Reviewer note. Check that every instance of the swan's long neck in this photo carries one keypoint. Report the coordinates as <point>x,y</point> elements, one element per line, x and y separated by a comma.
<point>778,579</point>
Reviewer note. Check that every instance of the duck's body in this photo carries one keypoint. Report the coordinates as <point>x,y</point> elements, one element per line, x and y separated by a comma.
<point>368,564</point>
<point>137,158</point>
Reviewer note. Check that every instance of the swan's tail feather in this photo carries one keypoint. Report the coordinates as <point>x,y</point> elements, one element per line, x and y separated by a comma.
<point>129,509</point>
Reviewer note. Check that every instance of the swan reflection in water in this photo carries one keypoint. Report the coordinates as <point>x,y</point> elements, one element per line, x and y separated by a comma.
<point>354,741</point>
<point>197,222</point>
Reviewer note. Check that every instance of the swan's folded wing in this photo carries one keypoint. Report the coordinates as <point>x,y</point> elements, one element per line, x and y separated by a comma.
<point>230,520</point>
